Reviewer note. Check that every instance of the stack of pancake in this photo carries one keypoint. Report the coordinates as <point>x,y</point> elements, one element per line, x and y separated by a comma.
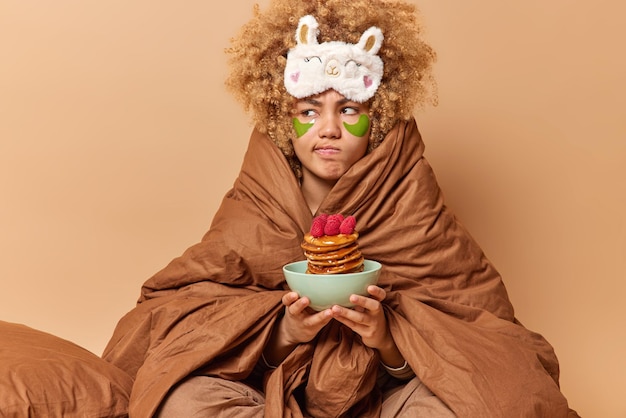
<point>332,254</point>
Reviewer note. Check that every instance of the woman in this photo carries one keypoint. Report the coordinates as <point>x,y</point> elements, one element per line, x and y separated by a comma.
<point>331,86</point>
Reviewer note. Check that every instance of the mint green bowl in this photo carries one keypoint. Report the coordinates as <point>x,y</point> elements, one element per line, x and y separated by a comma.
<point>326,290</point>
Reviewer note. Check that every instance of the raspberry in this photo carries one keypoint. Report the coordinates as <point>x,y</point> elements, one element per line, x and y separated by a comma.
<point>317,227</point>
<point>347,225</point>
<point>324,217</point>
<point>332,224</point>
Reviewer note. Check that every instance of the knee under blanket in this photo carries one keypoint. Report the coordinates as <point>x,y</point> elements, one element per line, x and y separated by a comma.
<point>212,308</point>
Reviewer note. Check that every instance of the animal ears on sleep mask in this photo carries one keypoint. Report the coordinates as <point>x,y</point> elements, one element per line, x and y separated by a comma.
<point>354,70</point>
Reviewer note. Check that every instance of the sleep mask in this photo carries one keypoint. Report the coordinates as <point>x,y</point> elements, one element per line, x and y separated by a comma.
<point>354,70</point>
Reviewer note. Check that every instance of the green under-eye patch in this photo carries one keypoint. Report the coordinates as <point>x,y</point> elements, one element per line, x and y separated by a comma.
<point>301,128</point>
<point>360,128</point>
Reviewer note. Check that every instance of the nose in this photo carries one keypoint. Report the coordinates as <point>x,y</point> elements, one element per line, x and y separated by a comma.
<point>329,127</point>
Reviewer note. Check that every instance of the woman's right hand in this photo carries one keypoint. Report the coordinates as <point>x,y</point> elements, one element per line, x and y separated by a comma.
<point>298,325</point>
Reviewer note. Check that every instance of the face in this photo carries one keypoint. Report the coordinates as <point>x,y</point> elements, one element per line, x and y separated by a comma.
<point>332,133</point>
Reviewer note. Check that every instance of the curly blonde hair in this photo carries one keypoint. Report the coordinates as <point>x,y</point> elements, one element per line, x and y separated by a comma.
<point>257,58</point>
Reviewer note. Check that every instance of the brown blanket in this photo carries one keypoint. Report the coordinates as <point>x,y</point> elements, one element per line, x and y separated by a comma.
<point>212,308</point>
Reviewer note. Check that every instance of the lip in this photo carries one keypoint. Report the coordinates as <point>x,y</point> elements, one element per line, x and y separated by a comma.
<point>326,150</point>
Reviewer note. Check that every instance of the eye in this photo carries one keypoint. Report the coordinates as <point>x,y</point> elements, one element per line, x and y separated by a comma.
<point>349,110</point>
<point>307,59</point>
<point>308,113</point>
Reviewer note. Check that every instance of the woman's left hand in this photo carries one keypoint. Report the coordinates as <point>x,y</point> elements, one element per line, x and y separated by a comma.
<point>367,318</point>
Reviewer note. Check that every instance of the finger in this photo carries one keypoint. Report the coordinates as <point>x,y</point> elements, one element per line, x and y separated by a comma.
<point>345,314</point>
<point>289,298</point>
<point>377,293</point>
<point>350,324</point>
<point>367,304</point>
<point>320,318</point>
<point>298,306</point>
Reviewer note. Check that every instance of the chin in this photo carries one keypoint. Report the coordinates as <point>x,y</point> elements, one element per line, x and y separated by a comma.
<point>332,176</point>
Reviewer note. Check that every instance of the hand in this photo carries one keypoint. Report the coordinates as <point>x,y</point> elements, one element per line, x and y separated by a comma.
<point>367,319</point>
<point>301,325</point>
<point>298,325</point>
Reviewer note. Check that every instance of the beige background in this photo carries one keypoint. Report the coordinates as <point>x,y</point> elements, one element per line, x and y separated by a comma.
<point>118,140</point>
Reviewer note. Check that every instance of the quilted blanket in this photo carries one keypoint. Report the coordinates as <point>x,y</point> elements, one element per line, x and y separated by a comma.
<point>211,309</point>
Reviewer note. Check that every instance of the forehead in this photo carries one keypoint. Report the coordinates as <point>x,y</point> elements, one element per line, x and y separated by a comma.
<point>329,97</point>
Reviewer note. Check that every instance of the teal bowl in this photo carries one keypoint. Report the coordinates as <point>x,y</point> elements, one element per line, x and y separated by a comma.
<point>326,290</point>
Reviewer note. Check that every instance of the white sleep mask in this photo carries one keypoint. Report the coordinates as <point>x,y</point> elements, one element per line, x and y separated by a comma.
<point>354,70</point>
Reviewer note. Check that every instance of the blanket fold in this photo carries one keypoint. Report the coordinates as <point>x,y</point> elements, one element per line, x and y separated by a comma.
<point>212,308</point>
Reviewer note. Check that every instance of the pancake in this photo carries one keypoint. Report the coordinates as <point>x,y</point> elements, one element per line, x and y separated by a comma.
<point>332,254</point>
